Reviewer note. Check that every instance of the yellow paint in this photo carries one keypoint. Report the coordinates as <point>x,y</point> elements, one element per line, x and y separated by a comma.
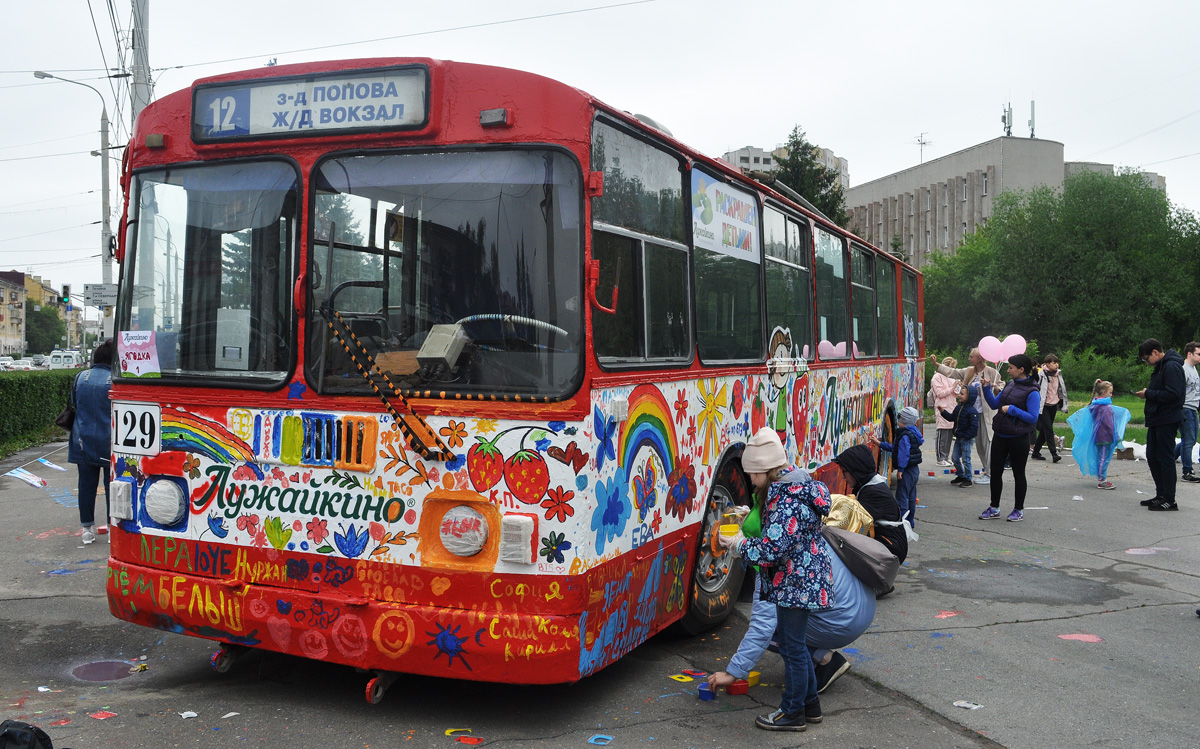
<point>292,439</point>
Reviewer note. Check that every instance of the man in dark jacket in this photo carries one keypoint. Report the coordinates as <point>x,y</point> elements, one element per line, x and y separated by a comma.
<point>1164,411</point>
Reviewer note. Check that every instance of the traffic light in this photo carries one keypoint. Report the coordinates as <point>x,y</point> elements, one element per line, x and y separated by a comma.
<point>66,293</point>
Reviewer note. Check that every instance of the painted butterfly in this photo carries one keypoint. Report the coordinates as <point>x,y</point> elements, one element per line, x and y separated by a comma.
<point>645,491</point>
<point>572,456</point>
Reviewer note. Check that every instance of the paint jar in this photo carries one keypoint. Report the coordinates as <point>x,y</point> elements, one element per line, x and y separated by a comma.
<point>730,529</point>
<point>704,693</point>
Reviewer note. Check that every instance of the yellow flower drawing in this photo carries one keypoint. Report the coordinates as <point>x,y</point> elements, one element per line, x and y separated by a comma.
<point>711,402</point>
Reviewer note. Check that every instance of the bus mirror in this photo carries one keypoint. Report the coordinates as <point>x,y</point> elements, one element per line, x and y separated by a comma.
<point>594,278</point>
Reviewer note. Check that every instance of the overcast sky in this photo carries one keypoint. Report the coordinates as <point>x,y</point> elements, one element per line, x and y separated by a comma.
<point>1115,82</point>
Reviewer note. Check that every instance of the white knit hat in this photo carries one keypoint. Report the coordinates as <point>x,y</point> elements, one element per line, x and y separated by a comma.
<point>764,452</point>
<point>908,416</point>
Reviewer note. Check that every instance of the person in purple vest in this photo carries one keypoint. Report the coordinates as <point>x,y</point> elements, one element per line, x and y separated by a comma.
<point>1017,408</point>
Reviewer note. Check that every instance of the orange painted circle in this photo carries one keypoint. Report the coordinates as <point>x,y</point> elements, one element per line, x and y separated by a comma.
<point>393,633</point>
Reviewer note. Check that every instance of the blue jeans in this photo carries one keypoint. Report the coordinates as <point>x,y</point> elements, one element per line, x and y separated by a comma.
<point>1104,453</point>
<point>89,477</point>
<point>1187,438</point>
<point>906,493</point>
<point>799,676</point>
<point>962,458</point>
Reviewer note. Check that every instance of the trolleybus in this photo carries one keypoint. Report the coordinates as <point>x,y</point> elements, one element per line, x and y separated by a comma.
<point>437,368</point>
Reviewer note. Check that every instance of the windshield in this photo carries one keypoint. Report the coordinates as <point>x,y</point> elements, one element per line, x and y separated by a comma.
<point>456,271</point>
<point>207,271</point>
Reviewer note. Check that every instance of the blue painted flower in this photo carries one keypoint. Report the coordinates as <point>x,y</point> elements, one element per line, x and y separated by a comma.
<point>612,510</point>
<point>556,426</point>
<point>581,481</point>
<point>605,428</point>
<point>553,547</point>
<point>542,445</point>
<point>216,524</point>
<point>457,462</point>
<point>352,543</point>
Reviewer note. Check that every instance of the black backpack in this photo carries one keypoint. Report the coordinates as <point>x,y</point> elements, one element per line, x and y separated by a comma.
<point>16,734</point>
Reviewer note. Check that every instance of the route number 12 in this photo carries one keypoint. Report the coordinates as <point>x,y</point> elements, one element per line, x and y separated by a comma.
<point>222,113</point>
<point>136,429</point>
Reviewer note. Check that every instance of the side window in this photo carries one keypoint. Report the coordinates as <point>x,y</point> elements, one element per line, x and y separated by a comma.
<point>832,304</point>
<point>912,326</point>
<point>862,281</point>
<point>885,290</point>
<point>789,292</point>
<point>651,320</point>
<point>725,235</point>
<point>637,239</point>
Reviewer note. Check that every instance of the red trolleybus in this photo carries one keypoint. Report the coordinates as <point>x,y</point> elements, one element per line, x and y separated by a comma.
<point>437,368</point>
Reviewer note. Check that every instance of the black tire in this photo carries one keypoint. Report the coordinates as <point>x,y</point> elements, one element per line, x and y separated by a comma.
<point>716,578</point>
<point>887,433</point>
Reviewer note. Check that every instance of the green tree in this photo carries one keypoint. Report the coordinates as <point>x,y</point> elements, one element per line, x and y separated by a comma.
<point>44,329</point>
<point>803,172</point>
<point>1105,262</point>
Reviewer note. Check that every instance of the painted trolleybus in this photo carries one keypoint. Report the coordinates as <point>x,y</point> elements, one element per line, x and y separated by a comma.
<point>437,368</point>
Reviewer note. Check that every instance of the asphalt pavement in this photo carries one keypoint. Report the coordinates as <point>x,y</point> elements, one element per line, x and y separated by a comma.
<point>1072,628</point>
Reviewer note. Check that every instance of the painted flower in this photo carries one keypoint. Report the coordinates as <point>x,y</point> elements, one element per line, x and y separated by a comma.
<point>248,523</point>
<point>191,466</point>
<point>260,540</point>
<point>553,547</point>
<point>605,428</point>
<point>612,510</point>
<point>317,529</point>
<point>712,401</point>
<point>454,433</point>
<point>485,426</point>
<point>351,543</point>
<point>558,504</point>
<point>681,405</point>
<point>216,524</point>
<point>654,525</point>
<point>691,430</point>
<point>682,483</point>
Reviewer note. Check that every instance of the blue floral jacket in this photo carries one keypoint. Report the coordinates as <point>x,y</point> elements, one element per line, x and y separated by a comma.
<point>795,568</point>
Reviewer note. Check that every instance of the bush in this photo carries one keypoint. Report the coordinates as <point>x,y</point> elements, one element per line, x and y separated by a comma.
<point>1083,368</point>
<point>29,401</point>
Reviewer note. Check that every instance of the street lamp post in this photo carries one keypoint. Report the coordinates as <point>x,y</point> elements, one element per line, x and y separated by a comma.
<point>105,226</point>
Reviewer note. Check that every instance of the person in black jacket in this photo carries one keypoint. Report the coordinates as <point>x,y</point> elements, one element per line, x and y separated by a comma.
<point>965,418</point>
<point>1164,411</point>
<point>1017,406</point>
<point>872,492</point>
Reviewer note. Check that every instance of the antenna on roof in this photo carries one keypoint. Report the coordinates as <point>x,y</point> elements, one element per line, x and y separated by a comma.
<point>1031,135</point>
<point>1006,118</point>
<point>922,143</point>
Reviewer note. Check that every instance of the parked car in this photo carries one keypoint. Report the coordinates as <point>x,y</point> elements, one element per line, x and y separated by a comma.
<point>38,360</point>
<point>24,365</point>
<point>5,363</point>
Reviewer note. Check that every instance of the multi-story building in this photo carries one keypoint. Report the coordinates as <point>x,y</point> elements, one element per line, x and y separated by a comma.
<point>933,206</point>
<point>12,318</point>
<point>754,159</point>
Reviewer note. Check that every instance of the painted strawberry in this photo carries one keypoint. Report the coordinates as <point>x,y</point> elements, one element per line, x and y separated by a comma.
<point>527,476</point>
<point>485,464</point>
<point>758,413</point>
<point>739,399</point>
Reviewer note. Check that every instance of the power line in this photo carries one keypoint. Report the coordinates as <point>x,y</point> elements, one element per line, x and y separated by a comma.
<point>56,197</point>
<point>52,140</point>
<point>46,156</point>
<point>1141,135</point>
<point>414,34</point>
<point>1173,158</point>
<point>51,208</point>
<point>51,231</point>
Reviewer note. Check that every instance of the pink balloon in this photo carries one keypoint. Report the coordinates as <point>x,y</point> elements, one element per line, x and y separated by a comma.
<point>990,348</point>
<point>1013,345</point>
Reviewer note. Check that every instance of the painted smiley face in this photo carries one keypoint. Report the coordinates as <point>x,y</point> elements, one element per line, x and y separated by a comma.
<point>393,633</point>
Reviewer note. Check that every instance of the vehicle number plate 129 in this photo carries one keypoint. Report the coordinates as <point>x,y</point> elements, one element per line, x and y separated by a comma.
<point>136,429</point>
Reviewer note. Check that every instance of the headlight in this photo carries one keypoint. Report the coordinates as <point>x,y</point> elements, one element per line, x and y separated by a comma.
<point>165,502</point>
<point>464,531</point>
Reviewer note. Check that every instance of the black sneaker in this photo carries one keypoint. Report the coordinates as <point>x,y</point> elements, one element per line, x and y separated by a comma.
<point>1057,458</point>
<point>1191,478</point>
<point>830,672</point>
<point>1035,456</point>
<point>1147,502</point>
<point>966,484</point>
<point>781,721</point>
<point>956,481</point>
<point>1163,506</point>
<point>812,712</point>
<point>883,593</point>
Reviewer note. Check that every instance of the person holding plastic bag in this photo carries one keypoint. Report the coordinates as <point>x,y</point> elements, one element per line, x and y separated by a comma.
<point>1099,430</point>
<point>91,441</point>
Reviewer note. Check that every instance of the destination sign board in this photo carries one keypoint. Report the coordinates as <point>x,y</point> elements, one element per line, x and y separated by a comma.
<point>318,104</point>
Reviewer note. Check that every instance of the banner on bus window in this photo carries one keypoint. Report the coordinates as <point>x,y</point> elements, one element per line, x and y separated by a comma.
<point>724,218</point>
<point>382,99</point>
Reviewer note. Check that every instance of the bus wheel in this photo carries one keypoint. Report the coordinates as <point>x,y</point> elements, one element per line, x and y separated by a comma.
<point>224,658</point>
<point>718,574</point>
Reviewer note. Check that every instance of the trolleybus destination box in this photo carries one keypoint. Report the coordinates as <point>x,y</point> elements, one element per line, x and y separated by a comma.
<point>393,98</point>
